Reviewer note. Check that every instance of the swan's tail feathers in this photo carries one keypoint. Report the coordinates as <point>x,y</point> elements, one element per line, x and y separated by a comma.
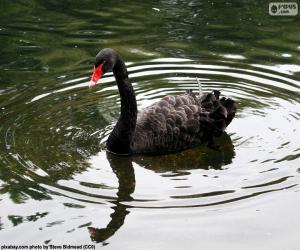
<point>218,113</point>
<point>230,106</point>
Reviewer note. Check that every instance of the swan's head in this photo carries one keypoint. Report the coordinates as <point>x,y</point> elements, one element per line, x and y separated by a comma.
<point>105,61</point>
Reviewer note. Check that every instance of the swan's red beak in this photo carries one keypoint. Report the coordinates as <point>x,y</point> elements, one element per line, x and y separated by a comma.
<point>97,74</point>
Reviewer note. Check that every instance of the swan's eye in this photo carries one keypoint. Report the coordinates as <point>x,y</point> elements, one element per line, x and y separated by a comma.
<point>104,66</point>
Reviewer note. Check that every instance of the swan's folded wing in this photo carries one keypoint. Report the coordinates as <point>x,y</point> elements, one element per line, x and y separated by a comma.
<point>168,125</point>
<point>179,122</point>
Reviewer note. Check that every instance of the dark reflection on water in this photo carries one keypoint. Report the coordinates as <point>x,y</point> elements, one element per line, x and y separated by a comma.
<point>199,157</point>
<point>124,171</point>
<point>54,173</point>
<point>122,167</point>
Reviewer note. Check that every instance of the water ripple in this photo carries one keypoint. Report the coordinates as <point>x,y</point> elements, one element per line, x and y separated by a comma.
<point>54,137</point>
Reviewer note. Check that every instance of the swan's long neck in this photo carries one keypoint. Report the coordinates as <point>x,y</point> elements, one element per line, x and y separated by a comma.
<point>120,139</point>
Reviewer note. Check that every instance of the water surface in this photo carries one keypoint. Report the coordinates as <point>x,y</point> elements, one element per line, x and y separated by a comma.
<point>58,185</point>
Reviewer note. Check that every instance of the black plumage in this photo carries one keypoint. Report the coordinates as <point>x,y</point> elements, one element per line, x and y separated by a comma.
<point>172,124</point>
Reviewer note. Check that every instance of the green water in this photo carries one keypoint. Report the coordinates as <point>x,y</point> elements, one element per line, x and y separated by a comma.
<point>58,185</point>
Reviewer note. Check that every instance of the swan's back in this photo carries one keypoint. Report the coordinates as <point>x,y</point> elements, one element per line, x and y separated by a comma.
<point>178,122</point>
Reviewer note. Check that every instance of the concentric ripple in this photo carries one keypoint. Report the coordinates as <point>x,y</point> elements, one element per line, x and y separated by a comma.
<point>54,140</point>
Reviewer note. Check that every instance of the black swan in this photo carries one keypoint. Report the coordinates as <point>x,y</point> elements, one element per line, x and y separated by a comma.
<point>172,124</point>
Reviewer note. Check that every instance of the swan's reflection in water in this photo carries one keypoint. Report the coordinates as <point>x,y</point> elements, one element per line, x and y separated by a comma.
<point>122,167</point>
<point>200,157</point>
